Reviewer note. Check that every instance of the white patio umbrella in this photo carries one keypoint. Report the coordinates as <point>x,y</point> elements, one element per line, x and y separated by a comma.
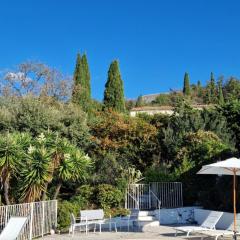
<point>230,166</point>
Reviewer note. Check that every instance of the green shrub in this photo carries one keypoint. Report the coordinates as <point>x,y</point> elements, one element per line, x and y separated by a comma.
<point>84,197</point>
<point>116,212</point>
<point>108,196</point>
<point>65,208</point>
<point>158,174</point>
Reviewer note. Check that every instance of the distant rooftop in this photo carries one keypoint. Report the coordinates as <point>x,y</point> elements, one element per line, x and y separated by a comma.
<point>150,108</point>
<point>169,110</point>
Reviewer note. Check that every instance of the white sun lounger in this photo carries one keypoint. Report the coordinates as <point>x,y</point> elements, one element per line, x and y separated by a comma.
<point>221,233</point>
<point>13,228</point>
<point>208,224</point>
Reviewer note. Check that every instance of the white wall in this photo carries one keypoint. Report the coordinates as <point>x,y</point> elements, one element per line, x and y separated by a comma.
<point>183,216</point>
<point>176,215</point>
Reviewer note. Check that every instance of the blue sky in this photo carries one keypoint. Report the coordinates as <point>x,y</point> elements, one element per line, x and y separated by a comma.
<point>155,41</point>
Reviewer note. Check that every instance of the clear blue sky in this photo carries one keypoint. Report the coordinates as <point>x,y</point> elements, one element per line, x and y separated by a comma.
<point>156,41</point>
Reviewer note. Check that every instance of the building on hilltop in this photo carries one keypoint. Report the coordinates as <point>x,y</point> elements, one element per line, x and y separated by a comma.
<point>167,110</point>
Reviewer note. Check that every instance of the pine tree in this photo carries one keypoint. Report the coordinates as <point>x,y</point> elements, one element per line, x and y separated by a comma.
<point>81,94</point>
<point>220,92</point>
<point>186,85</point>
<point>114,93</point>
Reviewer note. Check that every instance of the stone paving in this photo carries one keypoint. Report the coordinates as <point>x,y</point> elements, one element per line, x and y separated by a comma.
<point>161,232</point>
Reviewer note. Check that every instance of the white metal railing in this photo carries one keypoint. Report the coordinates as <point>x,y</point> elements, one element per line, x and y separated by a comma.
<point>42,217</point>
<point>158,203</point>
<point>137,196</point>
<point>168,193</point>
<point>134,201</point>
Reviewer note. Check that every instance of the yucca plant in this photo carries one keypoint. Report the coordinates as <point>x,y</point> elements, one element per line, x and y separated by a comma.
<point>73,167</point>
<point>36,174</point>
<point>38,169</point>
<point>11,152</point>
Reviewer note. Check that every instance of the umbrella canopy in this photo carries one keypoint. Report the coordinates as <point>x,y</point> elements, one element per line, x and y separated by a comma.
<point>230,166</point>
<point>227,167</point>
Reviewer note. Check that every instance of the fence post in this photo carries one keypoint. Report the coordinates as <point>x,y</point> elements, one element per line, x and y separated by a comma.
<point>43,217</point>
<point>56,209</point>
<point>126,205</point>
<point>31,221</point>
<point>149,196</point>
<point>6,215</point>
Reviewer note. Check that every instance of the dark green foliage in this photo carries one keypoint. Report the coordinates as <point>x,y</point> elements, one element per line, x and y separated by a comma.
<point>114,93</point>
<point>159,174</point>
<point>84,197</point>
<point>211,91</point>
<point>187,120</point>
<point>36,116</point>
<point>232,89</point>
<point>231,111</point>
<point>65,208</point>
<point>163,99</point>
<point>130,104</point>
<point>81,94</point>
<point>212,85</point>
<point>220,92</point>
<point>186,85</point>
<point>199,89</point>
<point>139,102</point>
<point>198,149</point>
<point>108,196</point>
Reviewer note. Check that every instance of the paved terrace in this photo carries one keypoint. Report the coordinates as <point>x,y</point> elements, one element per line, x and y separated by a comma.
<point>162,232</point>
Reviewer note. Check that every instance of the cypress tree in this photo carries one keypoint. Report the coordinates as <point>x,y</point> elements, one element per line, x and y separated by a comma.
<point>186,85</point>
<point>86,77</point>
<point>139,102</point>
<point>211,90</point>
<point>81,93</point>
<point>114,93</point>
<point>199,89</point>
<point>212,86</point>
<point>220,92</point>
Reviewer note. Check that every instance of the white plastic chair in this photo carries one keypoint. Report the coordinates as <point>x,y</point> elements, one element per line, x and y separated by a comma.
<point>222,233</point>
<point>208,224</point>
<point>75,224</point>
<point>13,228</point>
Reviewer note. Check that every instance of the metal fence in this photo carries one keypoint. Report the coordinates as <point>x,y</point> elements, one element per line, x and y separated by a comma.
<point>140,196</point>
<point>42,217</point>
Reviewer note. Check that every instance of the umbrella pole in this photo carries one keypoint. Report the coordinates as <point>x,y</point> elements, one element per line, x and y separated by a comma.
<point>234,204</point>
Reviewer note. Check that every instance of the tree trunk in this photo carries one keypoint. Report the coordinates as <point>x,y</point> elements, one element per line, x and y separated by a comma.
<point>6,191</point>
<point>44,194</point>
<point>59,185</point>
